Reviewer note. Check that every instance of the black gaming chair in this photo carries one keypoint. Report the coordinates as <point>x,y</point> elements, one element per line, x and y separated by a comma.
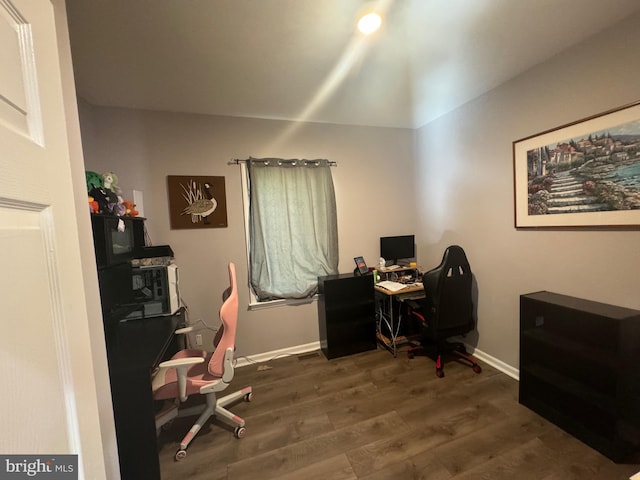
<point>446,310</point>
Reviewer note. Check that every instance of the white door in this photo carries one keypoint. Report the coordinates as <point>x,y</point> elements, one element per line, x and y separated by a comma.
<point>48,403</point>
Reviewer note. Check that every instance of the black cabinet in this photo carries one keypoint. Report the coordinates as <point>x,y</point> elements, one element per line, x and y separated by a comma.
<point>579,363</point>
<point>346,314</point>
<point>134,348</point>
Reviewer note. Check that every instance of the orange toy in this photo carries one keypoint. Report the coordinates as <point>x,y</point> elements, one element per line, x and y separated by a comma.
<point>93,205</point>
<point>130,208</point>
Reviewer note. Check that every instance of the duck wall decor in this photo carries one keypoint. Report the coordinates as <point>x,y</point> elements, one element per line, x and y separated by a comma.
<point>200,202</point>
<point>197,201</point>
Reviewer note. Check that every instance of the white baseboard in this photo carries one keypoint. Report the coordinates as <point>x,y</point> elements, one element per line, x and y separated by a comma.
<point>310,347</point>
<point>266,356</point>
<point>494,362</point>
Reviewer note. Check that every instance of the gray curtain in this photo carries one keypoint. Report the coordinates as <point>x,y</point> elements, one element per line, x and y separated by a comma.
<point>293,228</point>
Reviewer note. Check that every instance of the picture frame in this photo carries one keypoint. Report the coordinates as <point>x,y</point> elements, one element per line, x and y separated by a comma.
<point>361,266</point>
<point>582,174</point>
<point>197,202</point>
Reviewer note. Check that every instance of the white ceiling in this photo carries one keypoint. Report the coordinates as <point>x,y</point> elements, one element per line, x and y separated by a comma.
<point>303,60</point>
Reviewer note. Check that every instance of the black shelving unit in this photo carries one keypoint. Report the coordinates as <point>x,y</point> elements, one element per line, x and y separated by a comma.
<point>346,314</point>
<point>134,348</point>
<point>579,368</point>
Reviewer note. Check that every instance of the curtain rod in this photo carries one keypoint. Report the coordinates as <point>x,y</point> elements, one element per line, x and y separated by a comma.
<point>237,161</point>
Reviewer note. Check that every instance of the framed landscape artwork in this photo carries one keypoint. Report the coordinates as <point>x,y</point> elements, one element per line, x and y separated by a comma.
<point>197,202</point>
<point>586,173</point>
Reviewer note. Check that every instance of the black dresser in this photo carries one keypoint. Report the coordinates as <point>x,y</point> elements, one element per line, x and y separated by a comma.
<point>579,368</point>
<point>346,314</point>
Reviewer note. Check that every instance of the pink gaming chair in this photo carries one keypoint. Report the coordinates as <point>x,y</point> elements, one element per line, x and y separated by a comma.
<point>197,372</point>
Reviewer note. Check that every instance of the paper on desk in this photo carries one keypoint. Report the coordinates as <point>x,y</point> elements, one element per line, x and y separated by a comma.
<point>391,286</point>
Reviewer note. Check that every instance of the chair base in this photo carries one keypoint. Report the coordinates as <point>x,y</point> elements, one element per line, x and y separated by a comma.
<point>443,348</point>
<point>214,407</point>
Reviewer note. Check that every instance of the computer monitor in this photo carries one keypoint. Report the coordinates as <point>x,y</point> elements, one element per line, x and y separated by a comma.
<point>396,248</point>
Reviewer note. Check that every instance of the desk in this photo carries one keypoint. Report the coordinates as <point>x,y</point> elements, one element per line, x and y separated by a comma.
<point>134,349</point>
<point>386,299</point>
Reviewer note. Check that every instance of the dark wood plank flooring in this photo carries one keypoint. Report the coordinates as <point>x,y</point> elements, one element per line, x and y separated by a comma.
<point>371,416</point>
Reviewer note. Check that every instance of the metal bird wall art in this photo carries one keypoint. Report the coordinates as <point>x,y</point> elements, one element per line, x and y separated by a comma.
<point>200,202</point>
<point>197,201</point>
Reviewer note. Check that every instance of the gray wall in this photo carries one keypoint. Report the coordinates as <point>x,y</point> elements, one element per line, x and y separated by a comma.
<point>465,188</point>
<point>373,183</point>
<point>448,182</point>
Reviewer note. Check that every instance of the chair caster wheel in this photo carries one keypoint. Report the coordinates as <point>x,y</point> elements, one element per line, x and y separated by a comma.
<point>477,368</point>
<point>439,373</point>
<point>248,397</point>
<point>240,432</point>
<point>180,454</point>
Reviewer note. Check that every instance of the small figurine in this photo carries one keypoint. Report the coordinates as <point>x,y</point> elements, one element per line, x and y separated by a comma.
<point>94,180</point>
<point>109,181</point>
<point>130,208</point>
<point>93,205</point>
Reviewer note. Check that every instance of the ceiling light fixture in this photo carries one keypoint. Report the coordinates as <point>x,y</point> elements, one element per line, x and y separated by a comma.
<point>369,23</point>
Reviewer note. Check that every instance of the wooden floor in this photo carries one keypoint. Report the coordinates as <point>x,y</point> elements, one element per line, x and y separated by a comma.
<point>371,416</point>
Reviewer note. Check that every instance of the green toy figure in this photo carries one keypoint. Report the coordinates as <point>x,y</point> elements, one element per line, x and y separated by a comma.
<point>94,180</point>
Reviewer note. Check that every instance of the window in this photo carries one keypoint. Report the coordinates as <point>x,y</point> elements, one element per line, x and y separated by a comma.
<point>292,227</point>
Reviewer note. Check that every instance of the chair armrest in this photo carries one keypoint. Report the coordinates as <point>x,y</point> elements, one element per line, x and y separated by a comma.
<point>181,366</point>
<point>228,372</point>
<point>179,362</point>
<point>184,330</point>
<point>415,310</point>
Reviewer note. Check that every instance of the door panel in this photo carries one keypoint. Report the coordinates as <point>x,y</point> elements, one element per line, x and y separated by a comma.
<point>30,363</point>
<point>49,399</point>
<point>19,98</point>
